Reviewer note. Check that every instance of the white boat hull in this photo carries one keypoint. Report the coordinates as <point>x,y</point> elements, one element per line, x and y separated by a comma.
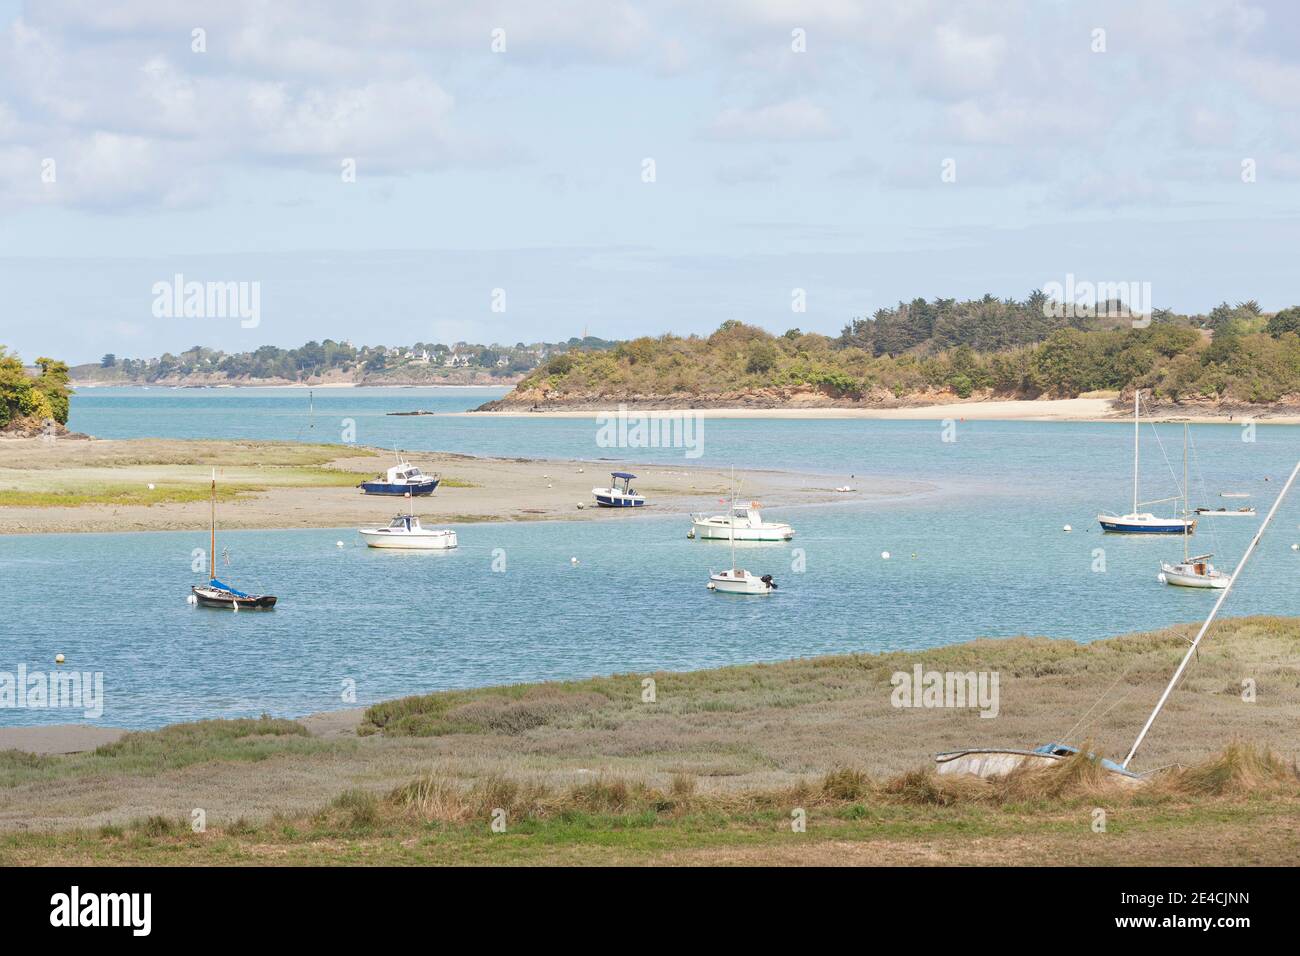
<point>400,541</point>
<point>739,582</point>
<point>711,531</point>
<point>1182,577</point>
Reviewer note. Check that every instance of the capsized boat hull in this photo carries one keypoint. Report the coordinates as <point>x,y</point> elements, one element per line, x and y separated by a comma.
<point>999,762</point>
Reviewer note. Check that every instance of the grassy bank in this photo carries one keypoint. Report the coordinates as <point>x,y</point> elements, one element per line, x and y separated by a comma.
<point>712,770</point>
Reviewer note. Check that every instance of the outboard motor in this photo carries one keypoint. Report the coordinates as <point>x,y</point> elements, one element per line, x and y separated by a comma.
<point>767,579</point>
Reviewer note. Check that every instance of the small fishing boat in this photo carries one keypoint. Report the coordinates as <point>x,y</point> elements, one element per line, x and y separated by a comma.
<point>740,581</point>
<point>1226,512</point>
<point>217,593</point>
<point>1000,761</point>
<point>405,533</point>
<point>619,494</point>
<point>401,480</point>
<point>1143,522</point>
<point>737,580</point>
<point>743,524</point>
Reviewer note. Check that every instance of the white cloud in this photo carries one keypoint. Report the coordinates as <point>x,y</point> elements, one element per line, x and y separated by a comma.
<point>791,121</point>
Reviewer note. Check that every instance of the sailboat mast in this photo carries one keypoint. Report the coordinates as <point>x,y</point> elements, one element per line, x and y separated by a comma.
<point>212,550</point>
<point>1209,620</point>
<point>1187,501</point>
<point>1137,396</point>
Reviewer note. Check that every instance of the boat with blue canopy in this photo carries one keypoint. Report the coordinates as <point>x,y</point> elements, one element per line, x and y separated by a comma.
<point>217,593</point>
<point>619,494</point>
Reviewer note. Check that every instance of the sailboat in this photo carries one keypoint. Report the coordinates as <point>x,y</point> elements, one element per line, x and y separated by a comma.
<point>737,580</point>
<point>1144,522</point>
<point>999,761</point>
<point>217,593</point>
<point>1194,571</point>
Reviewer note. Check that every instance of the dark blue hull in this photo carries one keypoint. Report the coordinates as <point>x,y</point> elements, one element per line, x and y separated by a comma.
<point>1120,528</point>
<point>384,488</point>
<point>605,501</point>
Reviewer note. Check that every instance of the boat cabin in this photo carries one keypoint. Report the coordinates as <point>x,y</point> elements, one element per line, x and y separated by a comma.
<point>404,474</point>
<point>404,523</point>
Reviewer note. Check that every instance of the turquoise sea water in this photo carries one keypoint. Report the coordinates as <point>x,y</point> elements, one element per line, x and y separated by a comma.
<point>980,553</point>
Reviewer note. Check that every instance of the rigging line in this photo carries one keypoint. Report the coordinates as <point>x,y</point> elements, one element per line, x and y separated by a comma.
<point>1102,697</point>
<point>1205,496</point>
<point>1177,484</point>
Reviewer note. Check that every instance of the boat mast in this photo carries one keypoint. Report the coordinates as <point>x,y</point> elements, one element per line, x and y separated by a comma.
<point>1187,502</point>
<point>1137,395</point>
<point>212,550</point>
<point>1209,620</point>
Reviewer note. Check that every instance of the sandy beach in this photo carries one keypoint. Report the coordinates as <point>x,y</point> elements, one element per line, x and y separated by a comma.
<point>1055,410</point>
<point>305,486</point>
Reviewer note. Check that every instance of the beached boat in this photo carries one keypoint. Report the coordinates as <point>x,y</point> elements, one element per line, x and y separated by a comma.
<point>402,479</point>
<point>619,494</point>
<point>217,593</point>
<point>999,761</point>
<point>405,533</point>
<point>743,524</point>
<point>1143,522</point>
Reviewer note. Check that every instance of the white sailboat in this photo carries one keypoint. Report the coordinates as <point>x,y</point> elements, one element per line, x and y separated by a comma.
<point>1194,571</point>
<point>1143,522</point>
<point>737,580</point>
<point>999,761</point>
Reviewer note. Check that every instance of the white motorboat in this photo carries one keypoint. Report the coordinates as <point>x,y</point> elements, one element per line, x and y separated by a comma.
<point>740,581</point>
<point>619,494</point>
<point>405,533</point>
<point>743,524</point>
<point>1143,522</point>
<point>1227,513</point>
<point>737,580</point>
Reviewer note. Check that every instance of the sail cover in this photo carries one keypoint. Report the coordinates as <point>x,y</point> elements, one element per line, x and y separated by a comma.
<point>226,587</point>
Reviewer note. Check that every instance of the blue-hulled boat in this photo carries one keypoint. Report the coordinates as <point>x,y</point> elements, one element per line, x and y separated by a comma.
<point>402,479</point>
<point>1144,522</point>
<point>217,593</point>
<point>620,493</point>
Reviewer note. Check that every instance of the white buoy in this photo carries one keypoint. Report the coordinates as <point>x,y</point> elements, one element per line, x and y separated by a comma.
<point>58,658</point>
<point>151,486</point>
<point>885,555</point>
<point>573,561</point>
<point>191,600</point>
<point>338,544</point>
<point>1295,547</point>
<point>1067,528</point>
<point>581,506</point>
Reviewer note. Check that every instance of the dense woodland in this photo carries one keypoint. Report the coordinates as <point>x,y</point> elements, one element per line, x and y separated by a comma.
<point>28,400</point>
<point>980,347</point>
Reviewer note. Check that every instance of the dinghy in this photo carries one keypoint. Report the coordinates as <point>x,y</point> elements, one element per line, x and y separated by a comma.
<point>1226,513</point>
<point>217,593</point>
<point>999,761</point>
<point>1142,522</point>
<point>619,494</point>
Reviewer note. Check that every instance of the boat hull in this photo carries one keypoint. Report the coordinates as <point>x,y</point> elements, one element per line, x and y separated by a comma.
<point>1129,524</point>
<point>724,584</point>
<point>1182,579</point>
<point>416,490</point>
<point>433,541</point>
<point>992,763</point>
<point>707,531</point>
<point>207,597</point>
<point>619,501</point>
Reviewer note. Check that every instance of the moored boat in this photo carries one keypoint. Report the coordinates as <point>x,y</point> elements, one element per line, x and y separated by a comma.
<point>405,533</point>
<point>217,593</point>
<point>743,524</point>
<point>740,581</point>
<point>620,493</point>
<point>1143,522</point>
<point>1194,572</point>
<point>1227,513</point>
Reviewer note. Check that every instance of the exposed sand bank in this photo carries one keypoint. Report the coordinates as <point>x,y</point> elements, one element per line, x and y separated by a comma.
<point>1042,410</point>
<point>293,493</point>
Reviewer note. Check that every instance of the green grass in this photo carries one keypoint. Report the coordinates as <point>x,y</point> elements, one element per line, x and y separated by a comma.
<point>117,493</point>
<point>457,483</point>
<point>146,753</point>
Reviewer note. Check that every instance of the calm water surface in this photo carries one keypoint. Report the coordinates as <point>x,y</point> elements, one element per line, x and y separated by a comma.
<point>983,553</point>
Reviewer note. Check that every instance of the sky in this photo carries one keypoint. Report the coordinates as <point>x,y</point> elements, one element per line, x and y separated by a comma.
<point>529,171</point>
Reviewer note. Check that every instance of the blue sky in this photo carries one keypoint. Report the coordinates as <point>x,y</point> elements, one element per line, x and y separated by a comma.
<point>775,168</point>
